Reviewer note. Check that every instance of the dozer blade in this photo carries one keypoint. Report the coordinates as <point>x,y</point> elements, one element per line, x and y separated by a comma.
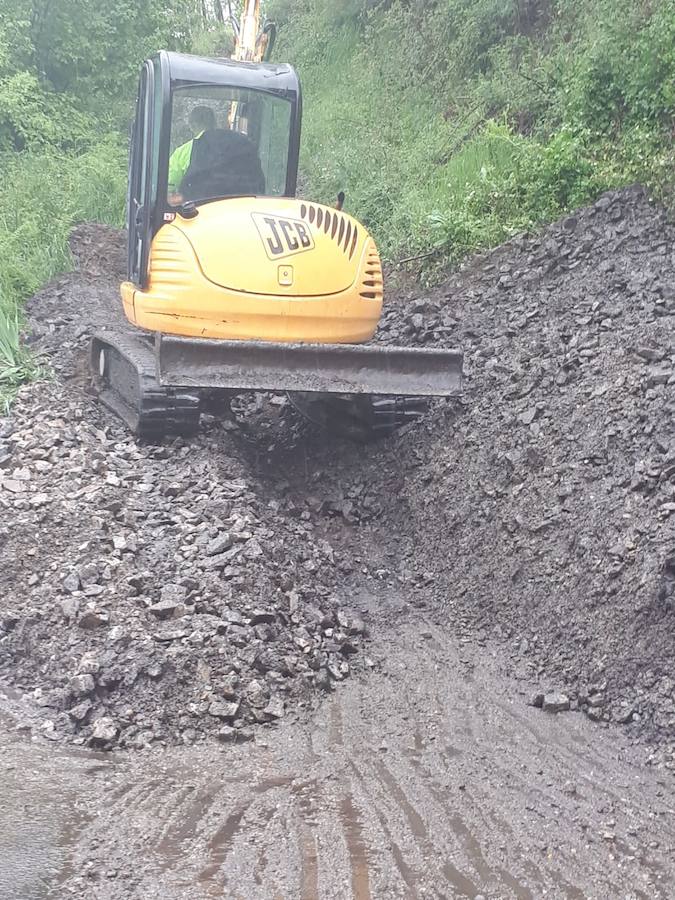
<point>311,368</point>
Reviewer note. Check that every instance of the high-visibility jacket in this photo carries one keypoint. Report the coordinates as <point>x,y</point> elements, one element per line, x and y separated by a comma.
<point>179,163</point>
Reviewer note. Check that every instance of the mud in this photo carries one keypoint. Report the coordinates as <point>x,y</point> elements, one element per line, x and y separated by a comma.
<point>441,785</point>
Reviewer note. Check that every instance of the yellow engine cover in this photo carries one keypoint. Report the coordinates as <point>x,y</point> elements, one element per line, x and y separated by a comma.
<point>261,269</point>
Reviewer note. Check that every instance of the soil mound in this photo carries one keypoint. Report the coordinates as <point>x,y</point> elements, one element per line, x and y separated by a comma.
<point>542,509</point>
<point>150,594</point>
<point>167,593</point>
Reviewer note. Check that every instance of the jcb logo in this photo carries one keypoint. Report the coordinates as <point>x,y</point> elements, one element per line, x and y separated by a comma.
<point>283,237</point>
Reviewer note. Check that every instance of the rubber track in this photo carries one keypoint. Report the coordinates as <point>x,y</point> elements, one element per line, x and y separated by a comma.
<point>131,390</point>
<point>362,418</point>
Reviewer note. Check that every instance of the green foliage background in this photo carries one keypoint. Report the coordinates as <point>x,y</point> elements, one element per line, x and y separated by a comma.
<point>68,70</point>
<point>451,124</point>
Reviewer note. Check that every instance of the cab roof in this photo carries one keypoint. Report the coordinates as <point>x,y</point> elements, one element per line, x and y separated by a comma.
<point>278,78</point>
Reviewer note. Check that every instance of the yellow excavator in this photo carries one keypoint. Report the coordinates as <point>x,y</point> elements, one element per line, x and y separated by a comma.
<point>235,285</point>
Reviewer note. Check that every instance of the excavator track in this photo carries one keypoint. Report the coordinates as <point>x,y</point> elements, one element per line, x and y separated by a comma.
<point>361,418</point>
<point>124,374</point>
<point>158,387</point>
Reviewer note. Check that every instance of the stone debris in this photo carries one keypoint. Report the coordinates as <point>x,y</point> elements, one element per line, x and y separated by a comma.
<point>555,702</point>
<point>174,595</point>
<point>104,731</point>
<point>544,498</point>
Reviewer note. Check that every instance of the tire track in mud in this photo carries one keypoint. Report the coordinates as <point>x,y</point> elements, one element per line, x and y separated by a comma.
<point>413,784</point>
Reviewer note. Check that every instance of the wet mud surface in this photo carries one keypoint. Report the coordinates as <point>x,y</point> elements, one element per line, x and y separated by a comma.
<point>430,778</point>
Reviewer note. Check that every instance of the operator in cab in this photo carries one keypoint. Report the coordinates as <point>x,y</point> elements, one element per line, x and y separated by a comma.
<point>216,163</point>
<point>202,119</point>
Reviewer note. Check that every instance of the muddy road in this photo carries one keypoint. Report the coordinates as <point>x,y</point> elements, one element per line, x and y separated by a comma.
<point>430,779</point>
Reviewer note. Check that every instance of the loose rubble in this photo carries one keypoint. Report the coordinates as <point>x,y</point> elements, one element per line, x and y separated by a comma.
<point>150,594</point>
<point>539,510</point>
<point>167,594</point>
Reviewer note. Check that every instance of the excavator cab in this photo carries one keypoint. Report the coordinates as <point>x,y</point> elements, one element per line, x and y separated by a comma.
<point>207,130</point>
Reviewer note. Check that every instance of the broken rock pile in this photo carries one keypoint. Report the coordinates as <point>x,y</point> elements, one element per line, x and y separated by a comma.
<point>544,503</point>
<point>150,594</point>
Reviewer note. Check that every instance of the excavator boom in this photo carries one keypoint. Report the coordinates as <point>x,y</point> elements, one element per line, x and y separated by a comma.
<point>250,39</point>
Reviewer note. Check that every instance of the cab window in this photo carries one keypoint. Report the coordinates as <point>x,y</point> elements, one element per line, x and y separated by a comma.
<point>227,142</point>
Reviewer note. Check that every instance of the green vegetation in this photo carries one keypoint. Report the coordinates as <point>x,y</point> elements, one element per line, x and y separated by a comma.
<point>67,83</point>
<point>453,125</point>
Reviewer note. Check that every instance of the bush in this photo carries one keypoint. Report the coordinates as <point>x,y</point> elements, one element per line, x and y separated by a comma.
<point>44,195</point>
<point>401,102</point>
<point>32,118</point>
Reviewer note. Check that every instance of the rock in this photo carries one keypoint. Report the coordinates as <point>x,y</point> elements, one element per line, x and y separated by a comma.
<point>224,710</point>
<point>257,694</point>
<point>154,671</point>
<point>92,619</point>
<point>171,634</point>
<point>167,609</point>
<point>80,712</point>
<point>555,702</point>
<point>322,680</point>
<point>71,583</point>
<point>227,734</point>
<point>80,685</point>
<point>90,663</point>
<point>70,608</point>
<point>219,545</point>
<point>262,617</point>
<point>12,485</point>
<point>528,417</point>
<point>649,354</point>
<point>624,714</point>
<point>229,687</point>
<point>659,375</point>
<point>275,708</point>
<point>266,633</point>
<point>351,623</point>
<point>104,731</point>
<point>271,661</point>
<point>173,594</point>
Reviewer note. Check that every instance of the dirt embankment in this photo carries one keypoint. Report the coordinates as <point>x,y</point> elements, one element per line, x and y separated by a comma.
<point>164,594</point>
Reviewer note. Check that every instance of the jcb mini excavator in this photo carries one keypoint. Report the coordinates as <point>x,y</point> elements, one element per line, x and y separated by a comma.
<point>234,284</point>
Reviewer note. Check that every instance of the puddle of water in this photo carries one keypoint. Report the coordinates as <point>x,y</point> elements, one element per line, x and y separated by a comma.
<point>457,879</point>
<point>335,727</point>
<point>171,845</point>
<point>268,784</point>
<point>309,867</point>
<point>407,873</point>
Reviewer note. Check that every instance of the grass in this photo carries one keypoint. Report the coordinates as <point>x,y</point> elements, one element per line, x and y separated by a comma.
<point>453,129</point>
<point>44,196</point>
<point>450,126</point>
